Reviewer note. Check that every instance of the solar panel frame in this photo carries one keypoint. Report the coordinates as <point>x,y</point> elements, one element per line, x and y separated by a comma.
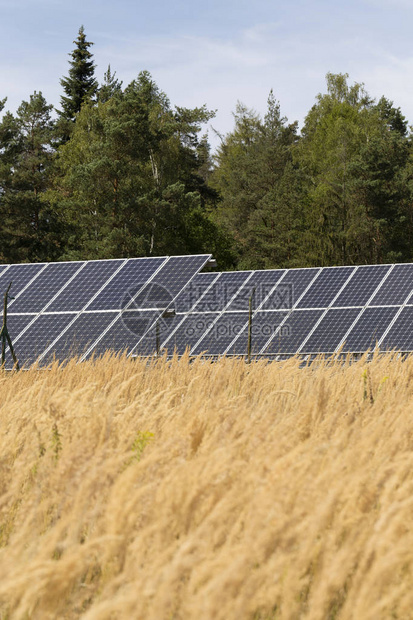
<point>295,306</point>
<point>367,304</point>
<point>394,319</point>
<point>260,306</point>
<point>223,310</point>
<point>84,309</point>
<point>327,308</point>
<point>193,309</point>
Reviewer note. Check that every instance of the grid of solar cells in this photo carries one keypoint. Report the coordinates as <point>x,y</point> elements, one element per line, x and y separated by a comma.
<point>292,333</point>
<point>362,285</point>
<point>190,331</point>
<point>68,288</point>
<point>85,285</point>
<point>400,335</point>
<point>222,291</point>
<point>20,276</point>
<point>80,335</point>
<point>129,281</point>
<point>47,284</point>
<point>173,277</point>
<point>325,287</point>
<point>189,296</point>
<point>330,331</point>
<point>15,324</point>
<point>397,287</point>
<point>368,330</point>
<point>219,334</point>
<point>260,284</point>
<point>212,315</point>
<point>178,271</point>
<point>125,333</point>
<point>290,289</point>
<point>263,327</point>
<point>186,303</point>
<point>33,342</point>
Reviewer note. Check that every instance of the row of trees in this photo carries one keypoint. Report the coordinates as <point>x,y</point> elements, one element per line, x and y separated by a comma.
<point>120,172</point>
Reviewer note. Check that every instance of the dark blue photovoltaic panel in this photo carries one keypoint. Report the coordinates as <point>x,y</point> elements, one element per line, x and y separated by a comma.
<point>290,289</point>
<point>222,333</point>
<point>400,336</point>
<point>166,285</point>
<point>222,291</point>
<point>329,333</point>
<point>178,271</point>
<point>85,285</point>
<point>263,282</point>
<point>35,297</point>
<point>369,329</point>
<point>362,285</point>
<point>84,331</point>
<point>325,287</point>
<point>15,324</point>
<point>34,341</point>
<point>190,331</point>
<point>263,327</point>
<point>187,299</point>
<point>292,333</point>
<point>124,334</point>
<point>127,283</point>
<point>20,275</point>
<point>396,288</point>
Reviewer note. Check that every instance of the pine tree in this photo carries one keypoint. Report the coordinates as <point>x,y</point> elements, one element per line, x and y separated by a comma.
<point>80,86</point>
<point>29,228</point>
<point>110,87</point>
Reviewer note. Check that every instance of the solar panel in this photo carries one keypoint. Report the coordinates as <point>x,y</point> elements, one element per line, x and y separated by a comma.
<point>327,286</point>
<point>46,286</point>
<point>329,332</point>
<point>396,288</point>
<point>264,326</point>
<point>292,333</point>
<point>400,334</point>
<point>369,329</point>
<point>362,285</point>
<point>84,308</point>
<point>138,305</point>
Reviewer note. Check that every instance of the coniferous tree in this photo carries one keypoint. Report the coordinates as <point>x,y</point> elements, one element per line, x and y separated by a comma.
<point>110,87</point>
<point>29,229</point>
<point>80,86</point>
<point>259,187</point>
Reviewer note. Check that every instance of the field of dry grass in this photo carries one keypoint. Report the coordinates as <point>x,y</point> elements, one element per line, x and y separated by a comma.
<point>177,490</point>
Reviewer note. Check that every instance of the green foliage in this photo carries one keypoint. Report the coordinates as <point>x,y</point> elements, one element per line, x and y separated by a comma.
<point>30,229</point>
<point>122,173</point>
<point>80,86</point>
<point>130,180</point>
<point>259,185</point>
<point>142,439</point>
<point>56,442</point>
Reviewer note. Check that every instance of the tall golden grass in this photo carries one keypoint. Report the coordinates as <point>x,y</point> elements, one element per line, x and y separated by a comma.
<point>177,490</point>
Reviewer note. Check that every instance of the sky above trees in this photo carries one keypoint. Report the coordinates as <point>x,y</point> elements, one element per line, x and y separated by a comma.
<point>214,53</point>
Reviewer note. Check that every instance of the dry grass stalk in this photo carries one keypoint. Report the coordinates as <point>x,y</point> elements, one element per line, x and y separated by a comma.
<point>177,490</point>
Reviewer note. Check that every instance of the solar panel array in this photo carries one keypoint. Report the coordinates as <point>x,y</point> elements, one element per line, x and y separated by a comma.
<point>296,311</point>
<point>84,308</point>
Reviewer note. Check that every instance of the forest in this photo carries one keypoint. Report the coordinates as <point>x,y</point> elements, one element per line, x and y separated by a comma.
<point>118,171</point>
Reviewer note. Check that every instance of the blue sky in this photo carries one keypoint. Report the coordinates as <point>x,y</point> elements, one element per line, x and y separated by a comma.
<point>214,52</point>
